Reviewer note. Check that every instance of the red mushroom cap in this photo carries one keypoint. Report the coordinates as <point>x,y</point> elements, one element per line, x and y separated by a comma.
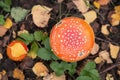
<point>72,39</point>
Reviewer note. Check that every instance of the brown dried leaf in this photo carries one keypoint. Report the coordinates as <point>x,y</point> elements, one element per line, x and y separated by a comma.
<point>40,69</point>
<point>103,2</point>
<point>3,30</point>
<point>104,29</point>
<point>105,55</point>
<point>81,5</point>
<point>18,74</point>
<point>90,16</point>
<point>114,50</point>
<point>40,15</point>
<point>95,49</point>
<point>52,76</point>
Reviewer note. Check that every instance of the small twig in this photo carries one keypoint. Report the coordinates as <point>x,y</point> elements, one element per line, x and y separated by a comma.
<point>109,68</point>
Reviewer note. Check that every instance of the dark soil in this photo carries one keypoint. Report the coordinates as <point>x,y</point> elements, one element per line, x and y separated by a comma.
<point>67,9</point>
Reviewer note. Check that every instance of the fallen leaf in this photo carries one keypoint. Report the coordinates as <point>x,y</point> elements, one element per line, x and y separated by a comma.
<point>115,22</point>
<point>95,49</point>
<point>105,55</point>
<point>103,2</point>
<point>3,75</point>
<point>118,72</point>
<point>1,56</point>
<point>18,74</point>
<point>115,16</point>
<point>60,1</point>
<point>98,60</point>
<point>114,50</point>
<point>22,31</point>
<point>81,5</point>
<point>40,15</point>
<point>3,30</point>
<point>8,23</point>
<point>96,4</point>
<point>90,16</point>
<point>117,9</point>
<point>40,69</point>
<point>104,29</point>
<point>109,77</point>
<point>52,76</point>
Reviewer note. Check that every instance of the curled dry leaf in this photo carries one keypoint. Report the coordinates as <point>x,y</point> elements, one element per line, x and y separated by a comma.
<point>18,74</point>
<point>109,77</point>
<point>3,30</point>
<point>105,55</point>
<point>103,2</point>
<point>104,29</point>
<point>114,50</point>
<point>95,49</point>
<point>90,16</point>
<point>40,15</point>
<point>40,69</point>
<point>52,76</point>
<point>81,5</point>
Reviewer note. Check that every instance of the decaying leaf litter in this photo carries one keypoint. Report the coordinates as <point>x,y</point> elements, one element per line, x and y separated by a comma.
<point>20,20</point>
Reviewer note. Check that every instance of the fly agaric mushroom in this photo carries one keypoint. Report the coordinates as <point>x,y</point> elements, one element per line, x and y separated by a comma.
<point>72,39</point>
<point>17,50</point>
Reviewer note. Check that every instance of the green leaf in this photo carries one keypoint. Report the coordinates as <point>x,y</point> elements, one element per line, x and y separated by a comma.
<point>2,21</point>
<point>38,35</point>
<point>90,71</point>
<point>46,43</point>
<point>90,65</point>
<point>45,35</point>
<point>94,74</point>
<point>18,13</point>
<point>53,56</point>
<point>84,78</point>
<point>33,50</point>
<point>57,68</point>
<point>5,6</point>
<point>72,68</point>
<point>27,37</point>
<point>43,53</point>
<point>8,2</point>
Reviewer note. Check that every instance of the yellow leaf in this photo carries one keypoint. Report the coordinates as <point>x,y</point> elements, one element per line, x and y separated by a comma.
<point>8,23</point>
<point>96,4</point>
<point>115,16</point>
<point>114,50</point>
<point>117,9</point>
